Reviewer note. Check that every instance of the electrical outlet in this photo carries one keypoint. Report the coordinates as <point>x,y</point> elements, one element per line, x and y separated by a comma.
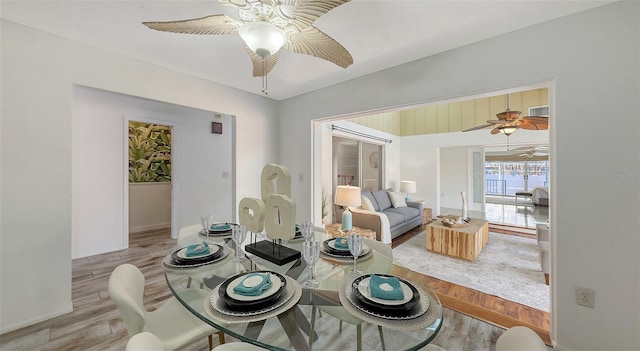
<point>585,297</point>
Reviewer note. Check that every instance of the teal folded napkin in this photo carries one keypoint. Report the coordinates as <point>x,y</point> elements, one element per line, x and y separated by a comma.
<point>220,226</point>
<point>254,284</point>
<point>386,288</point>
<point>341,244</point>
<point>197,250</point>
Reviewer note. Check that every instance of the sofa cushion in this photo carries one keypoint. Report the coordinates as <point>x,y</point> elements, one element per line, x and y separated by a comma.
<point>382,198</point>
<point>397,199</point>
<point>394,218</point>
<point>369,195</point>
<point>407,213</point>
<point>367,205</point>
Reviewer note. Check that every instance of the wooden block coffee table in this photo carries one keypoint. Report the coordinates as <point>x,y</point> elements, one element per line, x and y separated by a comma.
<point>460,242</point>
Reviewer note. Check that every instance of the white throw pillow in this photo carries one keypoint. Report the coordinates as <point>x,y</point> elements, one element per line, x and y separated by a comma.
<point>397,199</point>
<point>367,205</point>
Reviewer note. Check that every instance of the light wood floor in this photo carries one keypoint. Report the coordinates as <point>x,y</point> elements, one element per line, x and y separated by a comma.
<point>95,323</point>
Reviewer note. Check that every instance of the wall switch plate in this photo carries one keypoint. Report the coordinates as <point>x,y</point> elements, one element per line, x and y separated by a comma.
<point>585,297</point>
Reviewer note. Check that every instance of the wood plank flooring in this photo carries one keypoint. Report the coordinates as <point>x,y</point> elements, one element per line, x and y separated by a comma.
<point>95,323</point>
<point>485,307</point>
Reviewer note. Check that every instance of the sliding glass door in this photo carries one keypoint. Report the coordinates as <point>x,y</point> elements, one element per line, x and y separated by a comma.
<point>509,177</point>
<point>357,163</point>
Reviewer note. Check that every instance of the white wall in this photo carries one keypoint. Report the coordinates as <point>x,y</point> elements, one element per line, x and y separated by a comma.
<point>149,206</point>
<point>100,166</point>
<point>453,176</point>
<point>592,60</point>
<point>39,71</point>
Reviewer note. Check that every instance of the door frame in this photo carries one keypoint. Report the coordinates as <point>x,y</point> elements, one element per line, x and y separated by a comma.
<point>174,173</point>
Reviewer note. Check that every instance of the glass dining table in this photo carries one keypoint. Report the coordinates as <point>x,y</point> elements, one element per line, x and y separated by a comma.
<point>298,323</point>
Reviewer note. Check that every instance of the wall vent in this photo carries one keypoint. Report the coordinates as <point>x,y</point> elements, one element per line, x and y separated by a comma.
<point>539,111</point>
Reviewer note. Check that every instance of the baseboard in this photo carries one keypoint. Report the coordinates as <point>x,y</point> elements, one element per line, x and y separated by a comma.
<point>33,321</point>
<point>146,228</point>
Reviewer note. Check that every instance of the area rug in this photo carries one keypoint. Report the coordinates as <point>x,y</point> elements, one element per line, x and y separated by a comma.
<point>508,267</point>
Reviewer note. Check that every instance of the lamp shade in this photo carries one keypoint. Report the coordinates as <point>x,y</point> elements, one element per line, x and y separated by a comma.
<point>408,186</point>
<point>262,37</point>
<point>347,195</point>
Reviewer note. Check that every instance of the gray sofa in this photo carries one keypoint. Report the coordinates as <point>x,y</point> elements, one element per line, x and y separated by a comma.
<point>401,219</point>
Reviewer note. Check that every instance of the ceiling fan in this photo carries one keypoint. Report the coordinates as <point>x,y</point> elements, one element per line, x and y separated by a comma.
<point>266,26</point>
<point>509,122</point>
<point>531,152</point>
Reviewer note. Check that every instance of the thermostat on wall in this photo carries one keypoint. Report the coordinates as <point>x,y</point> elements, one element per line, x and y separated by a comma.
<point>216,127</point>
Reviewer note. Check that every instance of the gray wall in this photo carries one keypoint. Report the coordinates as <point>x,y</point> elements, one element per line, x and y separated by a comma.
<point>591,60</point>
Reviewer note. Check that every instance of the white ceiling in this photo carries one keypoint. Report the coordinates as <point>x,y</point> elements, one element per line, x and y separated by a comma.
<point>378,33</point>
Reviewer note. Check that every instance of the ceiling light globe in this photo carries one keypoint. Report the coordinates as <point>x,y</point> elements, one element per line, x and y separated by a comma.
<point>508,130</point>
<point>262,37</point>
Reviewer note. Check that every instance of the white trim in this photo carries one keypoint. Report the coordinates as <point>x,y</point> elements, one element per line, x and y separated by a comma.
<point>33,321</point>
<point>144,228</point>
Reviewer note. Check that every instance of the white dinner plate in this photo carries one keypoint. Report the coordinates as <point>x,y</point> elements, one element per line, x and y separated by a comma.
<point>276,283</point>
<point>363,288</point>
<point>213,249</point>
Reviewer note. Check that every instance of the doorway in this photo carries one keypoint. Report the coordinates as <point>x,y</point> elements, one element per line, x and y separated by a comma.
<point>149,175</point>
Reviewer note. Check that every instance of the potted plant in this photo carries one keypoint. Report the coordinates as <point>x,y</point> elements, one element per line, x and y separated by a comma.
<point>325,206</point>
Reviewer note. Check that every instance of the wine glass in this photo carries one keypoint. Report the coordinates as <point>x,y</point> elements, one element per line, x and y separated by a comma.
<point>307,230</point>
<point>355,247</point>
<point>207,222</point>
<point>238,234</point>
<point>311,252</point>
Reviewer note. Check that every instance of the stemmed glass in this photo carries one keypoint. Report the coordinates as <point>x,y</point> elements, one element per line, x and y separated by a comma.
<point>238,234</point>
<point>207,222</point>
<point>307,230</point>
<point>355,247</point>
<point>311,252</point>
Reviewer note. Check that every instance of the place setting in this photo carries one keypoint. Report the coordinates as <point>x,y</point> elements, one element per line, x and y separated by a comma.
<point>346,249</point>
<point>214,229</point>
<point>195,255</point>
<point>389,301</point>
<point>252,296</point>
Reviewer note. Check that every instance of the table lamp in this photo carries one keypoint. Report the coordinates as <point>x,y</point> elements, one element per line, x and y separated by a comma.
<point>408,187</point>
<point>346,196</point>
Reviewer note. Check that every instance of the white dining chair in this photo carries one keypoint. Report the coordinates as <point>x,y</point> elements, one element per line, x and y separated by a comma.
<point>237,346</point>
<point>172,323</point>
<point>144,341</point>
<point>182,234</point>
<point>520,338</point>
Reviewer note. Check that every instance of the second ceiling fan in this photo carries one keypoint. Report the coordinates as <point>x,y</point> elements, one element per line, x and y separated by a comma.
<point>510,121</point>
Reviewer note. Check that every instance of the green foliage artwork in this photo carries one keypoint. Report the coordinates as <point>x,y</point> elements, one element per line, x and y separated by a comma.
<point>149,153</point>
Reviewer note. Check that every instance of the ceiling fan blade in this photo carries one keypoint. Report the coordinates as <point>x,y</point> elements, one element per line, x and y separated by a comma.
<point>259,69</point>
<point>530,125</point>
<point>478,127</point>
<point>495,121</point>
<point>307,11</point>
<point>214,24</point>
<point>508,115</point>
<point>312,41</point>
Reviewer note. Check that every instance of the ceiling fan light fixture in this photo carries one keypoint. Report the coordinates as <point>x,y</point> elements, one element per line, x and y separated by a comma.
<point>262,37</point>
<point>508,130</point>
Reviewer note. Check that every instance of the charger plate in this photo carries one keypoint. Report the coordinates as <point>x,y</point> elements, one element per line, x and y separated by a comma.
<point>361,290</point>
<point>426,319</point>
<point>290,297</point>
<point>346,259</point>
<point>168,264</point>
